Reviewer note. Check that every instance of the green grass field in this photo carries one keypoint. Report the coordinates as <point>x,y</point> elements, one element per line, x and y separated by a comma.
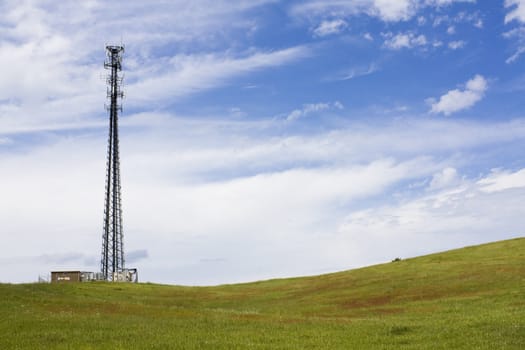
<point>471,298</point>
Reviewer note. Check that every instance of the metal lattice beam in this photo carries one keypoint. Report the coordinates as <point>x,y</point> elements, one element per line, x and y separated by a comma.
<point>112,239</point>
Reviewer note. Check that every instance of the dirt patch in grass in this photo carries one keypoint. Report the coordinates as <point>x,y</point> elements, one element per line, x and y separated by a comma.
<point>367,303</point>
<point>388,311</point>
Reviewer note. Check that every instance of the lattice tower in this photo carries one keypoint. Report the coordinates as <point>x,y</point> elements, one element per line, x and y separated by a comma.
<point>112,239</point>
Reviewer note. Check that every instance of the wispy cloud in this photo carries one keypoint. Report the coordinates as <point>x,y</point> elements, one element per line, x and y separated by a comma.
<point>520,51</point>
<point>518,34</point>
<point>184,75</point>
<point>356,72</point>
<point>516,14</point>
<point>502,180</point>
<point>310,108</point>
<point>444,178</point>
<point>330,27</point>
<point>445,2</point>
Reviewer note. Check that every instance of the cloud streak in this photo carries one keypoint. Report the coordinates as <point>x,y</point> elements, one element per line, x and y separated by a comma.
<point>516,14</point>
<point>357,72</point>
<point>184,75</point>
<point>330,27</point>
<point>311,108</point>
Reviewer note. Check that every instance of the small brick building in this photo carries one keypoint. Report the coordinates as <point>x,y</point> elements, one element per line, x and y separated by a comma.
<point>65,276</point>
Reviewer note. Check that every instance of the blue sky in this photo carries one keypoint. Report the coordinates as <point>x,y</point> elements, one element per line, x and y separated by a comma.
<point>262,138</point>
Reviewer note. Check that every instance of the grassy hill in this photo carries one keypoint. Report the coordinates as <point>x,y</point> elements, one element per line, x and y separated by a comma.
<point>470,298</point>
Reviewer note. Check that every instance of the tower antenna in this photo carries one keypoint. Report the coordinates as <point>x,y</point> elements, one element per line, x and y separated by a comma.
<point>112,261</point>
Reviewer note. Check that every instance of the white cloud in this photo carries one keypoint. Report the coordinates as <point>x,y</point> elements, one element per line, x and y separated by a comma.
<point>404,40</point>
<point>457,100</point>
<point>477,84</point>
<point>310,108</point>
<point>458,44</point>
<point>500,180</point>
<point>368,37</point>
<point>451,30</point>
<point>394,10</point>
<point>330,27</point>
<point>444,178</point>
<point>517,11</point>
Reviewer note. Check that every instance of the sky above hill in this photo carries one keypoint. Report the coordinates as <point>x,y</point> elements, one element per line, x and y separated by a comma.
<point>260,138</point>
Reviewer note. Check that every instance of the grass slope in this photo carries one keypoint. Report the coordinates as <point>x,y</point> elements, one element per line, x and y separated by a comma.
<point>471,298</point>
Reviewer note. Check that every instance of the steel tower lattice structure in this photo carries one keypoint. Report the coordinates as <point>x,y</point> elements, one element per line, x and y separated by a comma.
<point>112,240</point>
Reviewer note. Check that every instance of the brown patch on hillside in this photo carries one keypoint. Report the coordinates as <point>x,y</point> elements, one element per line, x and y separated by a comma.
<point>366,303</point>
